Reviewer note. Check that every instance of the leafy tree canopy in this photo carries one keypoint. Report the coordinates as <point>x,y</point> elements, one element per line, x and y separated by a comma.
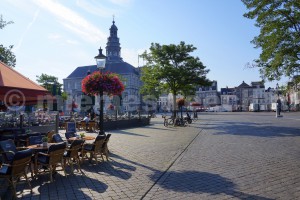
<point>6,54</point>
<point>173,69</point>
<point>279,38</point>
<point>50,83</point>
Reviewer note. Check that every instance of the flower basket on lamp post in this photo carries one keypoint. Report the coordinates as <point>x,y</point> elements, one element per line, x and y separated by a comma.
<point>99,83</point>
<point>110,83</point>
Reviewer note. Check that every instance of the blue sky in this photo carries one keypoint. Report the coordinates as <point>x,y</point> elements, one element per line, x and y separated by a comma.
<point>55,37</point>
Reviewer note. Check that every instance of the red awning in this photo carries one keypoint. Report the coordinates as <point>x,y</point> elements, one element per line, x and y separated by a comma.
<point>16,89</point>
<point>196,104</point>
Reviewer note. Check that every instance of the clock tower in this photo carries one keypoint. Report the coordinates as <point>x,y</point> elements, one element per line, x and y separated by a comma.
<point>113,49</point>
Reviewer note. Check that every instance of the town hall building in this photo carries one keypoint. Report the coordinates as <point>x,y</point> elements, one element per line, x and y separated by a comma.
<point>130,76</point>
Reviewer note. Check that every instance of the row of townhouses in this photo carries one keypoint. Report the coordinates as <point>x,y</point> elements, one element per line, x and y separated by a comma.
<point>245,97</point>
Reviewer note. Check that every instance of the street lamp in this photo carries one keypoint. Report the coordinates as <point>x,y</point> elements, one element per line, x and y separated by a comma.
<point>73,105</point>
<point>277,106</point>
<point>100,60</point>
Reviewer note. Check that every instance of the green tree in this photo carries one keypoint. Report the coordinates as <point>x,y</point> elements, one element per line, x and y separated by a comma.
<point>150,86</point>
<point>64,96</point>
<point>50,83</point>
<point>173,68</point>
<point>6,54</point>
<point>279,38</point>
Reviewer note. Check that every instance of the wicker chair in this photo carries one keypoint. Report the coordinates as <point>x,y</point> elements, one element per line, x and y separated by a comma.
<point>50,135</point>
<point>93,149</point>
<point>17,169</point>
<point>92,126</point>
<point>83,125</point>
<point>69,135</point>
<point>51,159</point>
<point>104,148</point>
<point>56,138</point>
<point>71,154</point>
<point>35,140</point>
<point>8,150</point>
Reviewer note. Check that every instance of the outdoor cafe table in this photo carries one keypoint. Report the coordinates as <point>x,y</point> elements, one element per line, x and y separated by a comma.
<point>39,147</point>
<point>84,138</point>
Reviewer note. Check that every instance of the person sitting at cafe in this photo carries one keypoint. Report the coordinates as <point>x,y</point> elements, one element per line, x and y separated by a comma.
<point>86,119</point>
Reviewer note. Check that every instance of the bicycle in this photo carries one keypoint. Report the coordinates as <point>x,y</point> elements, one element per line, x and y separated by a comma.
<point>181,122</point>
<point>174,121</point>
<point>168,121</point>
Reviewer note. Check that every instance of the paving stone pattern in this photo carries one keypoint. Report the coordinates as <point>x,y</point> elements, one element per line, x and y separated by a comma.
<point>138,157</point>
<point>221,156</point>
<point>237,156</point>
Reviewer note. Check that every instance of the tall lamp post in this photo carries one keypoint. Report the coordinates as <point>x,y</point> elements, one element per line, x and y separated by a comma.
<point>277,91</point>
<point>73,103</point>
<point>101,60</point>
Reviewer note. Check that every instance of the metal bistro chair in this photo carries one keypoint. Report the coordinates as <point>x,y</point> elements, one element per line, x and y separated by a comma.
<point>71,154</point>
<point>94,149</point>
<point>17,169</point>
<point>51,159</point>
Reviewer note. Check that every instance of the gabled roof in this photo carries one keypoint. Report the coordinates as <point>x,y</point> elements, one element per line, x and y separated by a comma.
<point>115,67</point>
<point>243,85</point>
<point>11,78</point>
<point>259,84</point>
<point>16,89</point>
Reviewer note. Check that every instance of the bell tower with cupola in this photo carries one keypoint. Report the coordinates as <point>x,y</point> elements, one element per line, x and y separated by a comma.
<point>113,49</point>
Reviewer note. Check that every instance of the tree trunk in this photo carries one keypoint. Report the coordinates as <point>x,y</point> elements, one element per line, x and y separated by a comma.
<point>174,104</point>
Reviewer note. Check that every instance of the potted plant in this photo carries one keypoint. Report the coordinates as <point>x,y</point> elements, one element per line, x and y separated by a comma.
<point>45,141</point>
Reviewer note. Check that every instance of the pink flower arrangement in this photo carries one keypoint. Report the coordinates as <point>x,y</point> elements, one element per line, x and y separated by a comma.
<point>110,107</point>
<point>110,83</point>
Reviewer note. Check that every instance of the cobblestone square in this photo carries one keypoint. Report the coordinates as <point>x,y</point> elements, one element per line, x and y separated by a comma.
<point>221,156</point>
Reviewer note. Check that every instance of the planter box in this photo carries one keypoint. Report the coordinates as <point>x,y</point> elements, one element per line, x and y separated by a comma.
<point>126,123</point>
<point>42,129</point>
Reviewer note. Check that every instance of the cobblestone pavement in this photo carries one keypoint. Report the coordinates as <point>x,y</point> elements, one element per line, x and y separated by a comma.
<point>221,156</point>
<point>237,156</point>
<point>138,157</point>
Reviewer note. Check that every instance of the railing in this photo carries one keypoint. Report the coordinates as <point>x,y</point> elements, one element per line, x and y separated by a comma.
<point>39,118</point>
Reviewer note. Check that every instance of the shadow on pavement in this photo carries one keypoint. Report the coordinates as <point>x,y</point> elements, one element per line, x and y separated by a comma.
<point>75,184</point>
<point>253,129</point>
<point>112,155</point>
<point>128,133</point>
<point>195,182</point>
<point>111,168</point>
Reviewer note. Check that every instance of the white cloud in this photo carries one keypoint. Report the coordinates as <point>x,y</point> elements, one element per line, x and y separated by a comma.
<point>72,21</point>
<point>73,42</point>
<point>36,14</point>
<point>95,8</point>
<point>54,36</point>
<point>121,2</point>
